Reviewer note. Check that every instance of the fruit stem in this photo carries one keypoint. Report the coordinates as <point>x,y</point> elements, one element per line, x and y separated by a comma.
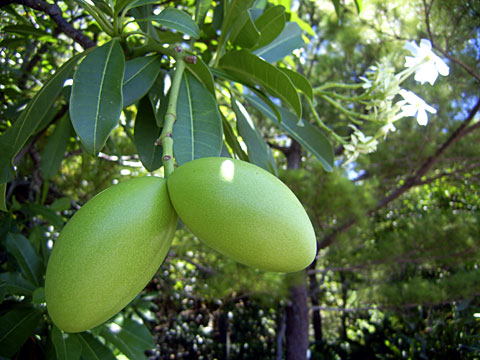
<point>165,138</point>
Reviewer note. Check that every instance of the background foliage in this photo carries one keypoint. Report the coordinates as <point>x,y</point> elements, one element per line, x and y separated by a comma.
<point>396,274</point>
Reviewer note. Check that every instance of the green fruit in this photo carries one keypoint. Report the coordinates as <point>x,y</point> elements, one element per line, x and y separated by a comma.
<point>108,252</point>
<point>244,212</point>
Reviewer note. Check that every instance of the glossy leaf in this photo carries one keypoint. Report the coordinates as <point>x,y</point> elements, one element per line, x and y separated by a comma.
<point>27,123</point>
<point>96,99</point>
<point>232,140</point>
<point>16,326</point>
<point>244,33</point>
<point>288,40</point>
<point>67,346</point>
<point>131,338</point>
<point>203,74</point>
<point>3,200</point>
<point>16,284</point>
<point>176,19</point>
<point>140,74</point>
<point>244,65</point>
<point>259,152</point>
<point>146,132</point>
<point>270,24</point>
<point>27,258</point>
<point>309,136</point>
<point>158,98</point>
<point>197,132</point>
<point>234,8</point>
<point>92,349</point>
<point>300,82</point>
<point>54,151</point>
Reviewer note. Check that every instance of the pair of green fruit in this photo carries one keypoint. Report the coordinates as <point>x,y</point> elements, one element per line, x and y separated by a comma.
<point>112,247</point>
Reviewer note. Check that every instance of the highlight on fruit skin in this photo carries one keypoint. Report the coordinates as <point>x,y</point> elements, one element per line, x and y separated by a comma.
<point>108,252</point>
<point>243,212</point>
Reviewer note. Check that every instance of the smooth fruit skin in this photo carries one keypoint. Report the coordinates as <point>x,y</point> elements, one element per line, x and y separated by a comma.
<point>108,252</point>
<point>244,212</point>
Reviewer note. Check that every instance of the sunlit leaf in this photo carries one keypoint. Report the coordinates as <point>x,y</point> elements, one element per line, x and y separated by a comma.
<point>270,24</point>
<point>96,99</point>
<point>244,33</point>
<point>288,40</point>
<point>244,65</point>
<point>177,20</point>
<point>203,74</point>
<point>197,131</point>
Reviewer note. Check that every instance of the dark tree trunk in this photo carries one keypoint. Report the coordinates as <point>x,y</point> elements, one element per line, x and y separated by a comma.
<point>316,316</point>
<point>297,318</point>
<point>297,309</point>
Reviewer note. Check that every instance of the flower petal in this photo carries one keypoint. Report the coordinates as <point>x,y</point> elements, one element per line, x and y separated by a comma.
<point>422,118</point>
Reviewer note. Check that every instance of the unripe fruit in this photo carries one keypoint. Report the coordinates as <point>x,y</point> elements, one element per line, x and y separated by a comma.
<point>108,252</point>
<point>244,212</point>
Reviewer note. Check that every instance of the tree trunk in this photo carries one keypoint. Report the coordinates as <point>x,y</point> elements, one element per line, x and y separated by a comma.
<point>297,310</point>
<point>297,318</point>
<point>316,316</point>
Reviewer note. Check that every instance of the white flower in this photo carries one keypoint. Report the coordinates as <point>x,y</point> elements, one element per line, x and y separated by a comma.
<point>413,105</point>
<point>359,144</point>
<point>430,64</point>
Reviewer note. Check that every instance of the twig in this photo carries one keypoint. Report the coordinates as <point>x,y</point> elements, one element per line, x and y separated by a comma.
<point>54,11</point>
<point>411,181</point>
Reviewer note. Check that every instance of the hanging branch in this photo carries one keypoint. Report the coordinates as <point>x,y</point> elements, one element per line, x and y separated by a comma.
<point>413,180</point>
<point>55,13</point>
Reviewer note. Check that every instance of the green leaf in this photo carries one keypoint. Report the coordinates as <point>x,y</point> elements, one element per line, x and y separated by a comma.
<point>3,200</point>
<point>358,5</point>
<point>232,140</point>
<point>176,19</point>
<point>54,151</point>
<point>197,132</point>
<point>140,74</point>
<point>244,32</point>
<point>38,296</point>
<point>158,99</point>
<point>25,30</point>
<point>336,4</point>
<point>132,338</point>
<point>203,74</point>
<point>244,65</point>
<point>61,204</point>
<point>16,326</point>
<point>27,123</point>
<point>48,214</point>
<point>309,136</point>
<point>201,9</point>
<point>96,99</point>
<point>67,346</point>
<point>133,4</point>
<point>270,24</point>
<point>259,153</point>
<point>92,349</point>
<point>27,258</point>
<point>146,132</point>
<point>288,40</point>
<point>16,284</point>
<point>234,8</point>
<point>300,82</point>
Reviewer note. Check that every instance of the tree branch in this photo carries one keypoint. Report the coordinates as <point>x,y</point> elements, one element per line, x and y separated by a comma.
<point>54,11</point>
<point>453,59</point>
<point>411,181</point>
